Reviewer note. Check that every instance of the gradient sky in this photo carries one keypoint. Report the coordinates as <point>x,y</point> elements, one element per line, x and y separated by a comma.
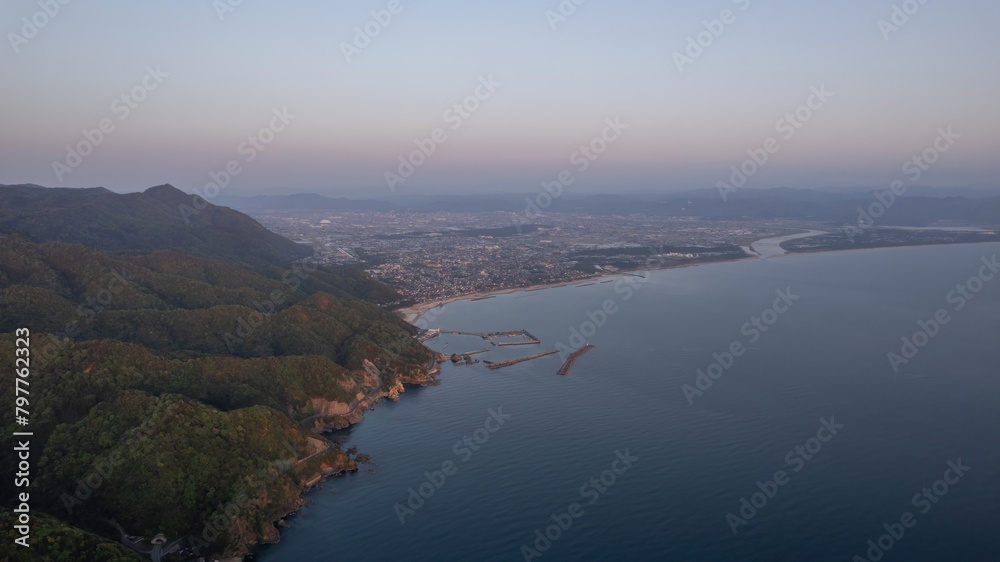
<point>354,120</point>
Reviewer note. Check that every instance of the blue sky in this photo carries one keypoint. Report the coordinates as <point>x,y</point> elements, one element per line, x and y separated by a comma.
<point>354,120</point>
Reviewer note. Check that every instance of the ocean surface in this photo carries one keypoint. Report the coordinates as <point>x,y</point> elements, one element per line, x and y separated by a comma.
<point>815,396</point>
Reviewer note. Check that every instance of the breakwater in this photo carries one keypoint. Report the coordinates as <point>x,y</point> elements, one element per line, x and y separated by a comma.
<point>510,362</point>
<point>568,364</point>
<point>529,338</point>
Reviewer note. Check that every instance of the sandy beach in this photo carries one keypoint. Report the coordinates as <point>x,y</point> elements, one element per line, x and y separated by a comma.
<point>412,313</point>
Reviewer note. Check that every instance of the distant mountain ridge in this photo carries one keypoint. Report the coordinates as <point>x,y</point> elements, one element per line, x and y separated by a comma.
<point>918,206</point>
<point>302,201</point>
<point>155,219</point>
<point>149,220</point>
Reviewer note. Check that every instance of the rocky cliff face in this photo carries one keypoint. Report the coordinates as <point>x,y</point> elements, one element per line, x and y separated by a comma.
<point>324,407</point>
<point>246,531</point>
<point>330,414</point>
<point>372,377</point>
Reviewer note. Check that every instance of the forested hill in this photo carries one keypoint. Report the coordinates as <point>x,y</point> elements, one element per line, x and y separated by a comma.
<point>179,305</point>
<point>159,218</point>
<point>178,394</point>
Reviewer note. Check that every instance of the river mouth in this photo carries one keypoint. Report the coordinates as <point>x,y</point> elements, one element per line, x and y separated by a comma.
<point>770,247</point>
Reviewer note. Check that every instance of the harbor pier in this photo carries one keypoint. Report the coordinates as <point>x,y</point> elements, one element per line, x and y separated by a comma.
<point>568,364</point>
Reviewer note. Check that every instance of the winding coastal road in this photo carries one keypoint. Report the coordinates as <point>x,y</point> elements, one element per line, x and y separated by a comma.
<point>158,551</point>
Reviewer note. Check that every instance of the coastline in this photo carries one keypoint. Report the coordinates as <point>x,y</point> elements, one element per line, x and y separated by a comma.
<point>417,310</point>
<point>323,469</point>
<point>413,313</point>
<point>887,248</point>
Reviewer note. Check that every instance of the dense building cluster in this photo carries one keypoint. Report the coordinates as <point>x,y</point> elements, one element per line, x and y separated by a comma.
<point>428,256</point>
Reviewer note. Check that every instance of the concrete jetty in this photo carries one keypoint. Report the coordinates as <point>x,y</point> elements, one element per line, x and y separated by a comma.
<point>568,364</point>
<point>425,335</point>
<point>510,362</point>
<point>530,339</point>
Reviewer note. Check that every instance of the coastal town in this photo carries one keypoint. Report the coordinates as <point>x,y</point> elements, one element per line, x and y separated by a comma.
<point>431,256</point>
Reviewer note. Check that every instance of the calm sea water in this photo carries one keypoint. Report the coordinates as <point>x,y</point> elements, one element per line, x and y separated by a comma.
<point>824,357</point>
